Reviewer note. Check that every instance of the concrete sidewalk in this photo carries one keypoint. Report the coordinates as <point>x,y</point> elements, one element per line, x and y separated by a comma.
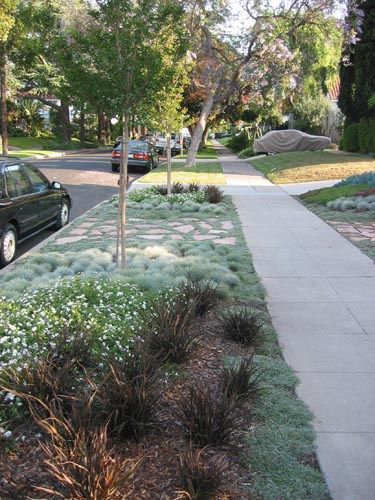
<point>321,296</point>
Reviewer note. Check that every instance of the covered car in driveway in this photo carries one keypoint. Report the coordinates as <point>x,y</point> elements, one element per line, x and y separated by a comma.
<point>283,141</point>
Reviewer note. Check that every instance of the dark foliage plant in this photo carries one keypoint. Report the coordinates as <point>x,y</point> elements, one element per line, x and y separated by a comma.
<point>198,479</point>
<point>193,187</point>
<point>177,188</point>
<point>128,395</point>
<point>82,462</point>
<point>161,189</point>
<point>241,381</point>
<point>204,295</point>
<point>243,325</point>
<point>207,416</point>
<point>169,337</point>
<point>213,194</point>
<point>44,380</point>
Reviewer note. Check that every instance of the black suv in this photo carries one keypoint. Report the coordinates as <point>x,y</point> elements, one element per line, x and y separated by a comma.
<point>29,203</point>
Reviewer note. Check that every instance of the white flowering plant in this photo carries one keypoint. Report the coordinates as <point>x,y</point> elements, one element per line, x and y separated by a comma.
<point>153,196</point>
<point>110,309</point>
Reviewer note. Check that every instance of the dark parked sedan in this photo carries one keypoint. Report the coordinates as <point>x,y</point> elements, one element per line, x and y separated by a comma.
<point>141,154</point>
<point>29,203</point>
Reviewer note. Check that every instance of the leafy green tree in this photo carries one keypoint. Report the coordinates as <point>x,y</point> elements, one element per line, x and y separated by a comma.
<point>131,47</point>
<point>7,22</point>
<point>263,57</point>
<point>357,69</point>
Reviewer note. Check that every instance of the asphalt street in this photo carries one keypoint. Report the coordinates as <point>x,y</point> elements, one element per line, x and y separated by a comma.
<point>89,179</point>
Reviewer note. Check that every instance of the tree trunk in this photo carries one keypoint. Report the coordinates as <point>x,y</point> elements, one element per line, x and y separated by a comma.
<point>82,127</point>
<point>169,165</point>
<point>204,137</point>
<point>65,122</point>
<point>4,125</point>
<point>101,127</point>
<point>121,231</point>
<point>198,131</point>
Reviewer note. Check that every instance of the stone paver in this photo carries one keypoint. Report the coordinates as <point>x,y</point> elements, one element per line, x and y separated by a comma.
<point>185,229</point>
<point>321,297</point>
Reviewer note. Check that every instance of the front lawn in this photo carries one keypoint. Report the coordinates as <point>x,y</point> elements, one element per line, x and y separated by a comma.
<point>44,144</point>
<point>96,329</point>
<point>204,154</point>
<point>306,166</point>
<point>203,173</point>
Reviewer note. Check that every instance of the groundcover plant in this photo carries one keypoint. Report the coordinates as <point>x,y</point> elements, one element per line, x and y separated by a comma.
<point>120,352</point>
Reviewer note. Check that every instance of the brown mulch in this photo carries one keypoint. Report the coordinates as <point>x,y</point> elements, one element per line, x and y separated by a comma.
<point>156,476</point>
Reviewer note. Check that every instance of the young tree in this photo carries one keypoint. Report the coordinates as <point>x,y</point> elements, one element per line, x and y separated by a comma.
<point>128,43</point>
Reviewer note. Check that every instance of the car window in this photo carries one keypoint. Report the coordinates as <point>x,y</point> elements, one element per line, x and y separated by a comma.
<point>38,181</point>
<point>137,146</point>
<point>17,182</point>
<point>2,187</point>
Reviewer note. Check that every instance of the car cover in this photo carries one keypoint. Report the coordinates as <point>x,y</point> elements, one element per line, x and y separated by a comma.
<point>282,141</point>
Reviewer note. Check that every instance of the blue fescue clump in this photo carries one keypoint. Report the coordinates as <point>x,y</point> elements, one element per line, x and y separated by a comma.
<point>354,180</point>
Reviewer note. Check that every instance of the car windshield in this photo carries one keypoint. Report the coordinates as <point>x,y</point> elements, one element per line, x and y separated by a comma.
<point>135,146</point>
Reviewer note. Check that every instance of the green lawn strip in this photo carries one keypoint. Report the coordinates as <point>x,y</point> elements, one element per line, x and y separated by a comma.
<point>323,195</point>
<point>348,217</point>
<point>26,153</point>
<point>202,173</point>
<point>44,143</point>
<point>306,166</point>
<point>204,154</point>
<point>280,443</point>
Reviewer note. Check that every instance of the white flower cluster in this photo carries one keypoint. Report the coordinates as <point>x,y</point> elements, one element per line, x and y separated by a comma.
<point>111,310</point>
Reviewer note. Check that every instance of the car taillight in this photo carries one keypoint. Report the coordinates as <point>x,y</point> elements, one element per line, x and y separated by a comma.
<point>141,156</point>
<point>116,154</point>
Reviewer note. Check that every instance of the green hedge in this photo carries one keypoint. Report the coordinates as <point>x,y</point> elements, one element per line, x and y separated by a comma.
<point>367,136</point>
<point>239,142</point>
<point>350,138</point>
<point>359,137</point>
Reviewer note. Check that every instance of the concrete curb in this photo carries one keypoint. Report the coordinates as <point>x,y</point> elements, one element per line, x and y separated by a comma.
<point>59,154</point>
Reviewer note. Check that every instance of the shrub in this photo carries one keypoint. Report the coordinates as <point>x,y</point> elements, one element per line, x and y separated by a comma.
<point>206,415</point>
<point>203,294</point>
<point>358,179</point>
<point>82,462</point>
<point>213,194</point>
<point>163,190</point>
<point>170,338</point>
<point>128,394</point>
<point>350,138</point>
<point>44,380</point>
<point>366,136</point>
<point>242,324</point>
<point>177,188</point>
<point>239,142</point>
<point>199,480</point>
<point>111,312</point>
<point>193,187</point>
<point>310,113</point>
<point>246,153</point>
<point>240,381</point>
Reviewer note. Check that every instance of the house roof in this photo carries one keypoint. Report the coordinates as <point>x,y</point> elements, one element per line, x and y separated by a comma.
<point>334,90</point>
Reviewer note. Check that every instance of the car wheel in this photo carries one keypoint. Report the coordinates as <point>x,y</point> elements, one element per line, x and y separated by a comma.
<point>63,215</point>
<point>115,168</point>
<point>8,245</point>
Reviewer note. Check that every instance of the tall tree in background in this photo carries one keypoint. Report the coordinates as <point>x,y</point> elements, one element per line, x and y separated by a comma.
<point>357,69</point>
<point>7,21</point>
<point>262,53</point>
